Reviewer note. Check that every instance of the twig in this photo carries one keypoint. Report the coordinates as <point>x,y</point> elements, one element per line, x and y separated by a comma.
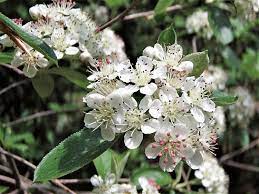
<point>186,180</point>
<point>33,167</point>
<point>150,13</point>
<point>5,169</point>
<point>16,84</point>
<point>194,44</point>
<point>7,180</point>
<point>241,166</point>
<point>79,181</point>
<point>240,151</point>
<point>118,17</point>
<point>16,174</point>
<point>18,71</point>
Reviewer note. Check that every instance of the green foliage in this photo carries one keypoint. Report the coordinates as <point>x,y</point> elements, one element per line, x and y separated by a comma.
<point>6,57</point>
<point>167,36</point>
<point>71,75</point>
<point>119,162</point>
<point>160,9</point>
<point>116,3</point>
<point>223,99</point>
<point>221,26</point>
<point>31,40</point>
<point>200,61</point>
<point>43,84</point>
<point>160,177</point>
<point>71,154</point>
<point>250,64</point>
<point>103,163</point>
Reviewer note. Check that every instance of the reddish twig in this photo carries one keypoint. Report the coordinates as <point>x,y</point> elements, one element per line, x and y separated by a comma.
<point>118,17</point>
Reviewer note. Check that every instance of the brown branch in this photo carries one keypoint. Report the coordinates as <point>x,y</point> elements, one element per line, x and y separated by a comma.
<point>118,17</point>
<point>16,84</point>
<point>7,180</point>
<point>242,166</point>
<point>6,170</point>
<point>150,13</point>
<point>16,174</point>
<point>186,180</point>
<point>18,71</point>
<point>79,181</point>
<point>33,167</point>
<point>240,151</point>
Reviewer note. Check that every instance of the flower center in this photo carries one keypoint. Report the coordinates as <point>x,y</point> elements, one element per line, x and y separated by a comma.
<point>104,113</point>
<point>134,118</point>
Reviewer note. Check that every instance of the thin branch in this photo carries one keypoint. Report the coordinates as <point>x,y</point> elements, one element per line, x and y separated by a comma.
<point>194,44</point>
<point>16,174</point>
<point>33,167</point>
<point>185,177</point>
<point>7,180</point>
<point>6,170</point>
<point>242,166</point>
<point>18,71</point>
<point>240,151</point>
<point>16,84</point>
<point>150,13</point>
<point>118,17</point>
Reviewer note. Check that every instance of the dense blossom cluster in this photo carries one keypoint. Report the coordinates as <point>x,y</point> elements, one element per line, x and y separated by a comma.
<point>69,31</point>
<point>243,110</point>
<point>154,96</point>
<point>109,186</point>
<point>198,23</point>
<point>213,176</point>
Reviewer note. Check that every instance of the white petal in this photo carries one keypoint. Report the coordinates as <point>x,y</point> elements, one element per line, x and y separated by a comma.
<point>149,52</point>
<point>107,133</point>
<point>59,54</point>
<point>152,150</point>
<point>115,100</point>
<point>72,51</point>
<point>149,89</point>
<point>167,163</point>
<point>160,53</point>
<point>156,109</point>
<point>198,114</point>
<point>159,72</point>
<point>127,75</point>
<point>94,100</point>
<point>180,129</point>
<point>189,83</point>
<point>208,105</point>
<point>186,98</point>
<point>144,64</point>
<point>29,71</point>
<point>132,140</point>
<point>90,120</point>
<point>130,103</point>
<point>196,161</point>
<point>175,52</point>
<point>145,103</point>
<point>198,174</point>
<point>150,126</point>
<point>185,66</point>
<point>168,93</point>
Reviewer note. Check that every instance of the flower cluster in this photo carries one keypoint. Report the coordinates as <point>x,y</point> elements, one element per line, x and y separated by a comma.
<point>248,8</point>
<point>243,110</point>
<point>154,96</point>
<point>109,186</point>
<point>213,176</point>
<point>198,23</point>
<point>69,32</point>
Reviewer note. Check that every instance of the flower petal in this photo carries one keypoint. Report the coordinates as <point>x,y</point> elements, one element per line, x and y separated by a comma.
<point>107,133</point>
<point>72,51</point>
<point>150,126</point>
<point>133,139</point>
<point>198,114</point>
<point>152,150</point>
<point>94,100</point>
<point>90,120</point>
<point>145,103</point>
<point>156,109</point>
<point>208,105</point>
<point>149,89</point>
<point>196,161</point>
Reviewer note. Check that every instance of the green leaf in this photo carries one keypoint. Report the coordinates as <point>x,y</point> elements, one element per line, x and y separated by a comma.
<point>245,139</point>
<point>223,99</point>
<point>250,63</point>
<point>160,9</point>
<point>119,162</point>
<point>221,26</point>
<point>43,83</point>
<point>161,178</point>
<point>200,61</point>
<point>71,154</point>
<point>30,39</point>
<point>6,57</point>
<point>103,163</point>
<point>167,36</point>
<point>3,188</point>
<point>116,3</point>
<point>73,76</point>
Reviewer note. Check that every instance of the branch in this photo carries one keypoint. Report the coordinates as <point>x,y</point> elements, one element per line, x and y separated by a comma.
<point>241,166</point>
<point>150,13</point>
<point>118,17</point>
<point>7,180</point>
<point>16,84</point>
<point>33,167</point>
<point>238,152</point>
<point>18,71</point>
<point>16,174</point>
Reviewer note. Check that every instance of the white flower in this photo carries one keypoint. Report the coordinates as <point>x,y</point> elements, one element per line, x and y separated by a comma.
<point>37,11</point>
<point>196,93</point>
<point>169,105</point>
<point>198,23</point>
<point>212,176</point>
<point>140,75</point>
<point>220,120</point>
<point>31,61</point>
<point>137,121</point>
<point>148,186</point>
<point>123,189</point>
<point>171,146</point>
<point>106,114</point>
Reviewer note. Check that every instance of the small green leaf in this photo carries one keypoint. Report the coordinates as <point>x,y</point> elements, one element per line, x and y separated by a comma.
<point>3,188</point>
<point>160,9</point>
<point>200,61</point>
<point>6,57</point>
<point>119,162</point>
<point>161,178</point>
<point>71,154</point>
<point>103,163</point>
<point>167,36</point>
<point>73,76</point>
<point>43,83</point>
<point>30,39</point>
<point>250,64</point>
<point>116,3</point>
<point>223,99</point>
<point>221,26</point>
